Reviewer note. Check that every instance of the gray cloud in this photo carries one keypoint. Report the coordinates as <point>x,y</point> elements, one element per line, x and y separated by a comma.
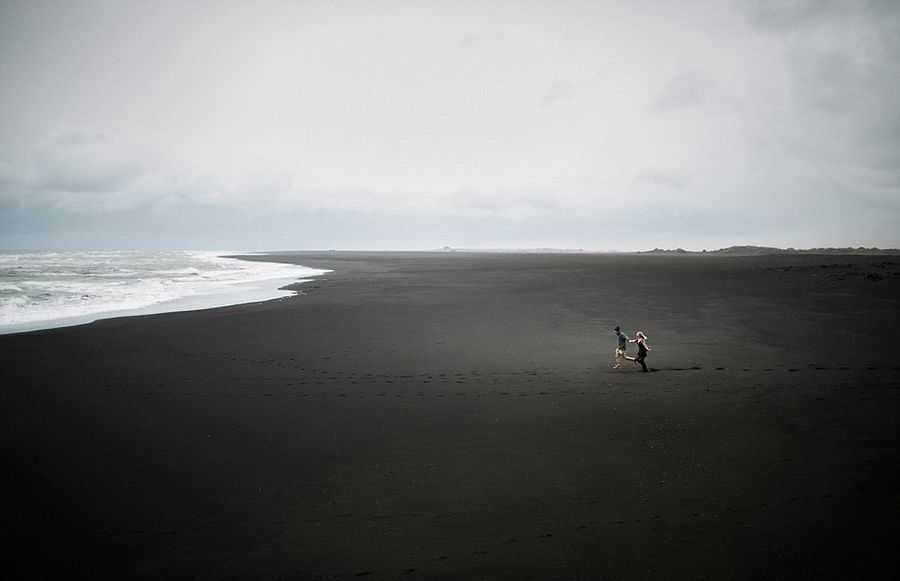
<point>558,91</point>
<point>843,65</point>
<point>485,38</point>
<point>690,88</point>
<point>669,178</point>
<point>75,162</point>
<point>10,177</point>
<point>784,15</point>
<point>487,119</point>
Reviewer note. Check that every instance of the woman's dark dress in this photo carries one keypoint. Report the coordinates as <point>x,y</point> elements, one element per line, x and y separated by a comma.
<point>642,354</point>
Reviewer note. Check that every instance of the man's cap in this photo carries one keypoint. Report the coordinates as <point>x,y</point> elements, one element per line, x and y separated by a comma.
<point>616,328</point>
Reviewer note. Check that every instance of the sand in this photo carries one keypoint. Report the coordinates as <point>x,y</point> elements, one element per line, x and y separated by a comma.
<point>456,415</point>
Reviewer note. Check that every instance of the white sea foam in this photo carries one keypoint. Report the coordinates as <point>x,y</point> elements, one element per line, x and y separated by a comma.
<point>41,290</point>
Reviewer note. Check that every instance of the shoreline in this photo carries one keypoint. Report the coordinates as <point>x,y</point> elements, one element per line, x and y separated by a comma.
<point>457,415</point>
<point>235,293</point>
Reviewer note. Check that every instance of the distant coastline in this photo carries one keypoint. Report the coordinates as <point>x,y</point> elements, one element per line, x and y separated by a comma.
<point>762,250</point>
<point>745,250</point>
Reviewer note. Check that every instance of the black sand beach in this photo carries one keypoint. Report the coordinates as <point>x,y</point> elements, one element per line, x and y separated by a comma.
<point>456,415</point>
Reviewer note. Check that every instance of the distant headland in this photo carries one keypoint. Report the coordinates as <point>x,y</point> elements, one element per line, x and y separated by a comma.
<point>760,250</point>
<point>746,250</point>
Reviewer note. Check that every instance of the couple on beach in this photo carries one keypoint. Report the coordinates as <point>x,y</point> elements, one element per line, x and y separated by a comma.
<point>642,346</point>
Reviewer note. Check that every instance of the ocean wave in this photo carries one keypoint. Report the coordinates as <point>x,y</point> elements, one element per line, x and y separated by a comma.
<point>48,289</point>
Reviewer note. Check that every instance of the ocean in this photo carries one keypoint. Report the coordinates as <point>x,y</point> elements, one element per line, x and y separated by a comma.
<point>41,290</point>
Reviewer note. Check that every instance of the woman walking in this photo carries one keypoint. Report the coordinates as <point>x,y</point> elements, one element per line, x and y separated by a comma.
<point>642,346</point>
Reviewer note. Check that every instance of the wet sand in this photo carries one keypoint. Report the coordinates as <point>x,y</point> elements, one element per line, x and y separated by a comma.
<point>455,415</point>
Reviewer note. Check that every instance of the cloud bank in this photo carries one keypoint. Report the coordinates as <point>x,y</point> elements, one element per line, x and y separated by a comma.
<point>613,125</point>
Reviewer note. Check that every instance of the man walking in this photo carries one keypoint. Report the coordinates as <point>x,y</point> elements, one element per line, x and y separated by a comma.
<point>620,348</point>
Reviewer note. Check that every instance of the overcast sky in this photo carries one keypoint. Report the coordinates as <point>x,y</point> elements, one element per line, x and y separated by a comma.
<point>411,125</point>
